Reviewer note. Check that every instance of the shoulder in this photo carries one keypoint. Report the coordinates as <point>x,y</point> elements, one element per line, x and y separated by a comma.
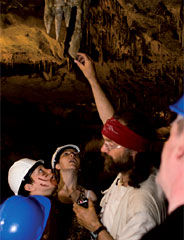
<point>139,197</point>
<point>145,197</point>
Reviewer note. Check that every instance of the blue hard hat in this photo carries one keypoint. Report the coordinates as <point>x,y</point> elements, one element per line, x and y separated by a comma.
<point>178,107</point>
<point>24,218</point>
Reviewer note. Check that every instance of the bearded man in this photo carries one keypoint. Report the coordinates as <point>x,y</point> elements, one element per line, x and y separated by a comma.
<point>131,206</point>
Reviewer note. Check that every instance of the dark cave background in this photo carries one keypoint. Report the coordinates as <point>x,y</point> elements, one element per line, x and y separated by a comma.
<point>137,47</point>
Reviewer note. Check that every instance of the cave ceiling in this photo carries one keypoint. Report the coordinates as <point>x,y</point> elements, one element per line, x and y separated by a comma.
<point>137,48</point>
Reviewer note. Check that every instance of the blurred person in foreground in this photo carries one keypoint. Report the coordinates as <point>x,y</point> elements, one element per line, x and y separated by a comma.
<point>171,179</point>
<point>24,217</point>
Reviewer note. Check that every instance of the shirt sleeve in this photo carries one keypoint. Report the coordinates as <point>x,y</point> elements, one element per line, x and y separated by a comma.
<point>136,227</point>
<point>142,216</point>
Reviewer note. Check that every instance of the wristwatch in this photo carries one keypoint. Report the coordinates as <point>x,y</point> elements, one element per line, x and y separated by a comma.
<point>94,234</point>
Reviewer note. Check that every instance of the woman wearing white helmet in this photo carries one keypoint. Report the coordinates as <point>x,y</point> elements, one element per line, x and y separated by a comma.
<point>66,163</point>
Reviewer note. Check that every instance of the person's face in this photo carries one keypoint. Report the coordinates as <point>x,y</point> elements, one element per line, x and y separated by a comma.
<point>171,167</point>
<point>117,158</point>
<point>69,159</point>
<point>44,182</point>
<point>112,149</point>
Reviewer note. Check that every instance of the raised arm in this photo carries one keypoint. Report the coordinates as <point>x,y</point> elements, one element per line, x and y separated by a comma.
<point>103,105</point>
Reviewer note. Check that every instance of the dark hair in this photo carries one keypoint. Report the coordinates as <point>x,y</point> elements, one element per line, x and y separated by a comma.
<point>22,190</point>
<point>138,123</point>
<point>144,161</point>
<point>28,179</point>
<point>92,163</point>
<point>141,169</point>
<point>57,157</point>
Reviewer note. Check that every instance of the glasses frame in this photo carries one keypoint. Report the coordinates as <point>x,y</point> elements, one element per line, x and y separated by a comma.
<point>111,145</point>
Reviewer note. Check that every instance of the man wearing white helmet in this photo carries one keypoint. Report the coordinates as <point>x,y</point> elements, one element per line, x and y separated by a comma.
<point>30,177</point>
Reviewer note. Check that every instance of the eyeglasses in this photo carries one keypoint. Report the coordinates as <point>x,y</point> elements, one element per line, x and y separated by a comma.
<point>111,145</point>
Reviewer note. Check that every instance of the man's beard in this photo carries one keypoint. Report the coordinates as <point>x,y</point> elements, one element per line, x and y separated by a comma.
<point>123,164</point>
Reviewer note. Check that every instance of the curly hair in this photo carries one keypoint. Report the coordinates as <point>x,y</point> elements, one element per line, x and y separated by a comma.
<point>141,165</point>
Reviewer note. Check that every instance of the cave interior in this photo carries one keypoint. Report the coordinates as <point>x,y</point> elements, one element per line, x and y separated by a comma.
<point>46,102</point>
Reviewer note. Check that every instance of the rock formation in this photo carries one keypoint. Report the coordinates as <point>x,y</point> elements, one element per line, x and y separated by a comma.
<point>137,47</point>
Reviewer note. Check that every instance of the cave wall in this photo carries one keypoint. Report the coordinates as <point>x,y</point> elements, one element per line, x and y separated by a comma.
<point>141,44</point>
<point>137,48</point>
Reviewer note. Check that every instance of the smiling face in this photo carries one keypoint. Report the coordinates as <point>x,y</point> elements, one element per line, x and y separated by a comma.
<point>69,159</point>
<point>44,182</point>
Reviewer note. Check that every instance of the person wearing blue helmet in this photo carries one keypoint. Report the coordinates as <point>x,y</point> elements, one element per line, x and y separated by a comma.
<point>171,179</point>
<point>28,177</point>
<point>24,218</point>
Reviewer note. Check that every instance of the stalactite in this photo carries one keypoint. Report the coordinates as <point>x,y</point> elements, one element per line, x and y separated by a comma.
<point>172,78</point>
<point>175,69</point>
<point>51,71</point>
<point>180,88</point>
<point>132,48</point>
<point>44,63</point>
<point>40,65</point>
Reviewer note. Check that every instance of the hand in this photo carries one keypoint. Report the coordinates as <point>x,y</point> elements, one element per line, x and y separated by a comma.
<point>87,217</point>
<point>86,66</point>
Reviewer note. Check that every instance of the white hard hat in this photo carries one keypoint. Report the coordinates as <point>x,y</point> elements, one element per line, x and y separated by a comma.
<point>59,150</point>
<point>19,170</point>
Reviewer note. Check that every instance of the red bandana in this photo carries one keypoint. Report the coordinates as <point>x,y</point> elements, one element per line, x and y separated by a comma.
<point>123,136</point>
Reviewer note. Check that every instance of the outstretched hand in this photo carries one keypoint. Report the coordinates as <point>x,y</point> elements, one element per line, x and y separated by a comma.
<point>86,65</point>
<point>87,217</point>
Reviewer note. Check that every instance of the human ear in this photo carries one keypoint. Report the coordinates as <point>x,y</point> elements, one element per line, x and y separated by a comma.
<point>29,187</point>
<point>133,154</point>
<point>180,148</point>
<point>180,152</point>
<point>58,166</point>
